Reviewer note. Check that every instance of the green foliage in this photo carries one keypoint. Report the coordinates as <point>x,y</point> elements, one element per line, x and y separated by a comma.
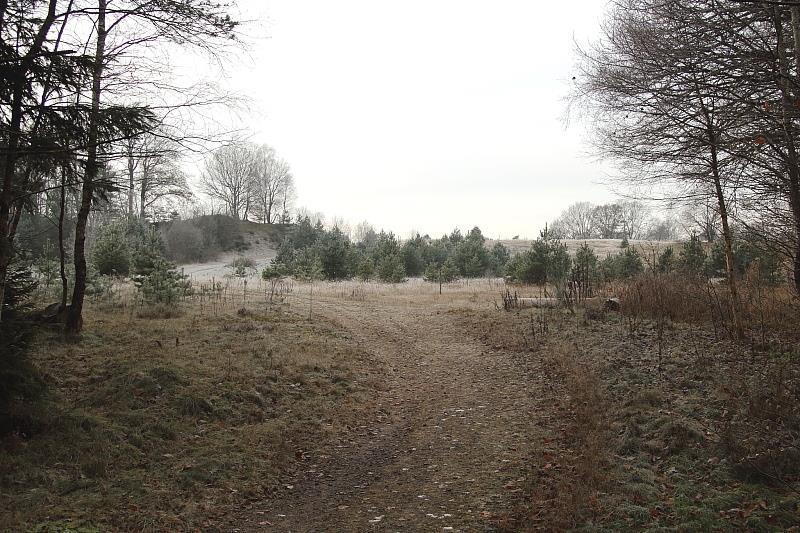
<point>749,254</point>
<point>148,251</point>
<point>624,265</point>
<point>390,269</point>
<point>470,255</point>
<point>413,259</point>
<point>498,259</point>
<point>19,379</point>
<point>20,285</point>
<point>446,273</point>
<point>692,257</point>
<point>366,269</point>
<point>242,266</point>
<point>546,262</point>
<point>666,261</point>
<point>274,271</point>
<point>586,265</point>
<point>384,257</point>
<point>309,268</point>
<point>156,278</point>
<point>586,258</point>
<point>221,232</point>
<point>333,249</point>
<point>163,284</point>
<point>111,250</point>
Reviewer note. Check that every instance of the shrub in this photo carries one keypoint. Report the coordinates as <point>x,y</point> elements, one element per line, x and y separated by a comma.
<point>390,269</point>
<point>666,261</point>
<point>692,257</point>
<point>241,266</point>
<point>445,273</point>
<point>366,269</point>
<point>546,262</point>
<point>111,252</point>
<point>221,232</point>
<point>148,252</point>
<point>163,284</point>
<point>498,259</point>
<point>19,379</point>
<point>624,265</point>
<point>20,284</point>
<point>412,252</point>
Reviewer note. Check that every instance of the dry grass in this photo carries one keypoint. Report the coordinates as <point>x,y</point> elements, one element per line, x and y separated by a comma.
<point>601,247</point>
<point>688,431</point>
<point>166,424</point>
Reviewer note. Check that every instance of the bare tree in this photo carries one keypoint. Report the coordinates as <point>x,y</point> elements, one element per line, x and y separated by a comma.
<point>577,221</point>
<point>665,229</point>
<point>701,218</point>
<point>607,220</point>
<point>635,218</point>
<point>651,84</point>
<point>228,177</point>
<point>153,165</point>
<point>272,184</point>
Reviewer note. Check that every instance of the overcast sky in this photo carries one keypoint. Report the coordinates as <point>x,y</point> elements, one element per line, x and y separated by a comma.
<point>422,115</point>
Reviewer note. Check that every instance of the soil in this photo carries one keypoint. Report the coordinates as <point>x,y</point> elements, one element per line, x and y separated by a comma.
<point>446,447</point>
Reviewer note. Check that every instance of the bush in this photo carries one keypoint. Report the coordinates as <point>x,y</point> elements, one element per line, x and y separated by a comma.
<point>148,252</point>
<point>20,284</point>
<point>163,284</point>
<point>366,269</point>
<point>241,266</point>
<point>111,252</point>
<point>546,262</point>
<point>624,265</point>
<point>446,273</point>
<point>692,257</point>
<point>666,261</point>
<point>19,379</point>
<point>390,269</point>
<point>220,232</point>
<point>498,259</point>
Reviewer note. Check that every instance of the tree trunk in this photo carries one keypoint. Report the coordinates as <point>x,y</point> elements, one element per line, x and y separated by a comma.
<point>794,172</point>
<point>62,253</point>
<point>143,193</point>
<point>74,316</point>
<point>131,182</point>
<point>730,264</point>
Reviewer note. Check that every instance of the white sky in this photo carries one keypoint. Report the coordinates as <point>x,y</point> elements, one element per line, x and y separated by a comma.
<point>423,115</point>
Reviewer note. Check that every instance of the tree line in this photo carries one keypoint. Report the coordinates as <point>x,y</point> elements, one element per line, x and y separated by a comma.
<point>616,220</point>
<point>313,252</point>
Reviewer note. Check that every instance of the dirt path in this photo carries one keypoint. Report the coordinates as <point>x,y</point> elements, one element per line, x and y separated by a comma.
<point>447,450</point>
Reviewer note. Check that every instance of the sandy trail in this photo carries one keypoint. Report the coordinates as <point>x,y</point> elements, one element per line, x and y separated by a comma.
<point>447,449</point>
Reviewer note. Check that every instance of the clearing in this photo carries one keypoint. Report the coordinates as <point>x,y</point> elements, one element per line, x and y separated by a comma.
<point>394,408</point>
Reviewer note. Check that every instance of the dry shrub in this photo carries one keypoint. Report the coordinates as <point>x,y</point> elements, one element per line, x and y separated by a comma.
<point>656,296</point>
<point>586,449</point>
<point>760,431</point>
<point>159,311</point>
<point>770,314</point>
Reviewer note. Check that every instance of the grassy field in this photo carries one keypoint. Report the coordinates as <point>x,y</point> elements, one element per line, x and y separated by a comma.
<point>169,424</point>
<point>700,435</point>
<point>226,415</point>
